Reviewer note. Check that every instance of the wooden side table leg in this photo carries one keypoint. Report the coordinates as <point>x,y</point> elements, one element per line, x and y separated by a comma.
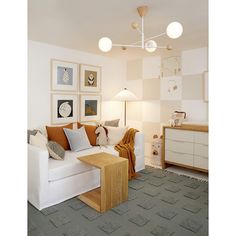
<point>114,185</point>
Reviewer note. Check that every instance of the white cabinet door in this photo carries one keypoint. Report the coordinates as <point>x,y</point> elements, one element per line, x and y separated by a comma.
<point>179,135</point>
<point>200,162</point>
<point>179,146</point>
<point>181,158</point>
<point>201,150</point>
<point>201,137</point>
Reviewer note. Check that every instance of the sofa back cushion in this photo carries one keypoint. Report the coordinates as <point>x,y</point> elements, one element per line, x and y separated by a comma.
<point>115,134</point>
<point>56,134</point>
<point>90,130</point>
<point>56,151</point>
<point>113,123</point>
<point>78,139</point>
<point>38,140</point>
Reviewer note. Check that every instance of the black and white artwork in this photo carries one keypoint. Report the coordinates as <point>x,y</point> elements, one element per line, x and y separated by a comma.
<point>64,108</point>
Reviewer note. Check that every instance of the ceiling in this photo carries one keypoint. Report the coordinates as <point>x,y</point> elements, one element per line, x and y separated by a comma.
<point>79,24</point>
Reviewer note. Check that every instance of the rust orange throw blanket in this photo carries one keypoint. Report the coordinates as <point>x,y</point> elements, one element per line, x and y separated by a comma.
<point>126,149</point>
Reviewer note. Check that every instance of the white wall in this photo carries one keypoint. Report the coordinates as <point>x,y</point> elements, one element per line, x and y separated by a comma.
<point>39,101</point>
<point>156,105</point>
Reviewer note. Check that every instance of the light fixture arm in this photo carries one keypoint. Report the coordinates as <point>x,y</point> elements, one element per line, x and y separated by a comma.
<point>142,32</point>
<point>174,30</point>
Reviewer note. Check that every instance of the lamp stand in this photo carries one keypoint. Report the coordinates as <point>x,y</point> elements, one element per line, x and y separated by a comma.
<point>125,114</point>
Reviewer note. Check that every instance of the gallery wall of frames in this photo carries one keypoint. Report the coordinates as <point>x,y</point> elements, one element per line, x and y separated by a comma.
<point>75,92</point>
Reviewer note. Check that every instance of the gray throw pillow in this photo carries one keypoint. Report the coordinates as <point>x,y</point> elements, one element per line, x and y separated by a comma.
<point>113,123</point>
<point>31,132</point>
<point>77,139</point>
<point>56,151</point>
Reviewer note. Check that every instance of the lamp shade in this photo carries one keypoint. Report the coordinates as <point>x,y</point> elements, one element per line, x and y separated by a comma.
<point>150,46</point>
<point>105,44</point>
<point>125,95</point>
<point>174,30</point>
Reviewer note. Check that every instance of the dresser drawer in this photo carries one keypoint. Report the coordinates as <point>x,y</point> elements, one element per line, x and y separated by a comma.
<point>201,137</point>
<point>201,150</point>
<point>180,135</point>
<point>179,146</point>
<point>181,158</point>
<point>200,162</point>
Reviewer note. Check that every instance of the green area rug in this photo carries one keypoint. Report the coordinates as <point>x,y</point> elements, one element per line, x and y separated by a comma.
<point>160,203</point>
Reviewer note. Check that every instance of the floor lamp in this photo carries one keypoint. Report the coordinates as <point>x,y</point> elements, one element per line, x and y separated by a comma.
<point>125,95</point>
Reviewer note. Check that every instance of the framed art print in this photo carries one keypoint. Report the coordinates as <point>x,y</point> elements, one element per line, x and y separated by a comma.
<point>90,107</point>
<point>90,78</point>
<point>64,108</point>
<point>64,76</point>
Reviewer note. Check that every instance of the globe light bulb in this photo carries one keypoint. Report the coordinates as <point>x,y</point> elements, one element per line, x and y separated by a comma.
<point>174,30</point>
<point>150,46</point>
<point>105,44</point>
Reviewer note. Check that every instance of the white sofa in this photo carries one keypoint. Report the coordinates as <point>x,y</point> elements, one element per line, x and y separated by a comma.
<point>51,181</point>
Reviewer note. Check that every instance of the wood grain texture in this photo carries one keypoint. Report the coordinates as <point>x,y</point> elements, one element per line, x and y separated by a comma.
<point>114,181</point>
<point>200,128</point>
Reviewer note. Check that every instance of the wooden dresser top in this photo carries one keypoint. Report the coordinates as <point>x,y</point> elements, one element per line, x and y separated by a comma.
<point>192,127</point>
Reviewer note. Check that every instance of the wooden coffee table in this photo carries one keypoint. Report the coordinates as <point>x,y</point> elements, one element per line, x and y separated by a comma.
<point>114,181</point>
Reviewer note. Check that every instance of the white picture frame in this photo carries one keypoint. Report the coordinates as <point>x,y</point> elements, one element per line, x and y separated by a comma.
<point>64,108</point>
<point>64,76</point>
<point>90,78</point>
<point>89,104</point>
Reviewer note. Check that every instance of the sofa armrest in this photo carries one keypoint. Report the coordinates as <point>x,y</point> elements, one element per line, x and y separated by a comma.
<point>139,140</point>
<point>37,170</point>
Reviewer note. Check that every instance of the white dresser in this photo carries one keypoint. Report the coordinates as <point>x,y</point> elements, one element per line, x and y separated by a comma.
<point>186,146</point>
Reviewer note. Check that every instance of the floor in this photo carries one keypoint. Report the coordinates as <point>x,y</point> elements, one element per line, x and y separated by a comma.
<point>191,173</point>
<point>160,203</point>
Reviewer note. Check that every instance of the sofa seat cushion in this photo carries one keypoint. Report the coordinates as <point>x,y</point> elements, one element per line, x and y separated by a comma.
<point>110,149</point>
<point>72,166</point>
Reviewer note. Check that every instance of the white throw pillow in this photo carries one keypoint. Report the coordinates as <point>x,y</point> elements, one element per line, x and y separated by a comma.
<point>39,140</point>
<point>115,134</point>
<point>77,139</point>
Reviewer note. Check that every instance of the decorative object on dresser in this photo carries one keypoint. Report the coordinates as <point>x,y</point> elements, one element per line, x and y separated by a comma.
<point>125,95</point>
<point>186,146</point>
<point>177,118</point>
<point>64,76</point>
<point>90,78</point>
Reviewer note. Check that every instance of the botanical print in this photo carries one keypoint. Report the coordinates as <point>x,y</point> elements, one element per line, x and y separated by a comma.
<point>91,107</point>
<point>64,75</point>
